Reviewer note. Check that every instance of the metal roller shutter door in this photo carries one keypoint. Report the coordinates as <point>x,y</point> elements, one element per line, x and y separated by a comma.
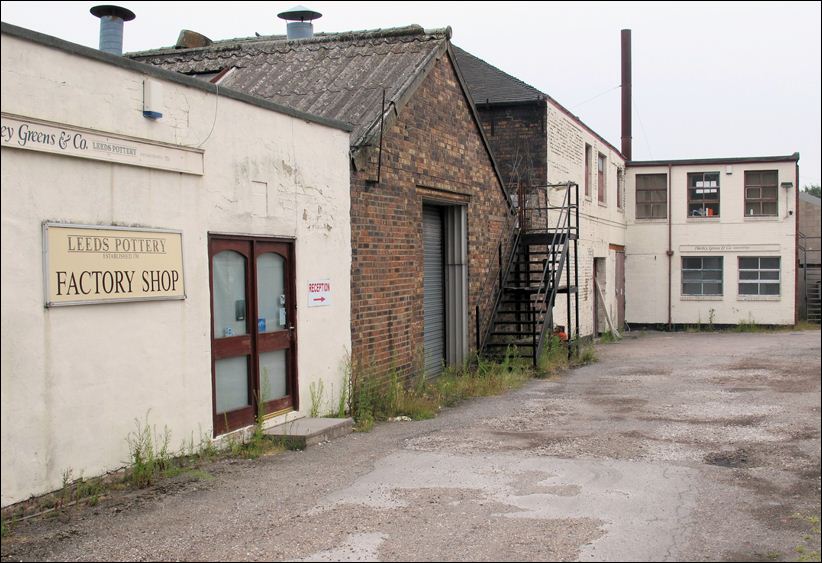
<point>433,282</point>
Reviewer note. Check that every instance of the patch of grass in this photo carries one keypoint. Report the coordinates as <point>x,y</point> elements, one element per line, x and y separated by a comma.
<point>587,355</point>
<point>554,358</point>
<point>805,325</point>
<point>317,390</point>
<point>608,338</point>
<point>374,398</point>
<point>149,455</point>
<point>807,549</point>
<point>200,474</point>
<point>342,400</point>
<point>748,325</point>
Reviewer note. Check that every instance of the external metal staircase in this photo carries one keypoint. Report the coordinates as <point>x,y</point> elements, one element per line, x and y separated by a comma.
<point>809,255</point>
<point>541,264</point>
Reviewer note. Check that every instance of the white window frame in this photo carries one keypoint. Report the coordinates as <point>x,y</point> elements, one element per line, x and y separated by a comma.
<point>759,282</point>
<point>702,281</point>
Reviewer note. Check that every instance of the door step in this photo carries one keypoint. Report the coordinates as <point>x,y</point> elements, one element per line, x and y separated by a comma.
<point>303,432</point>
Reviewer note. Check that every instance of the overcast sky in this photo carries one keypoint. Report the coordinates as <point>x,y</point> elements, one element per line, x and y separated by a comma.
<point>709,79</point>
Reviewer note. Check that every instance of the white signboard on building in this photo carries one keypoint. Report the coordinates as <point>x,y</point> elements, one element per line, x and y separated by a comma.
<point>729,248</point>
<point>319,293</point>
<point>87,264</point>
<point>44,136</point>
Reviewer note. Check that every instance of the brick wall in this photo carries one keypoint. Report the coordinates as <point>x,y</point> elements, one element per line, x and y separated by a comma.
<point>433,151</point>
<point>518,138</point>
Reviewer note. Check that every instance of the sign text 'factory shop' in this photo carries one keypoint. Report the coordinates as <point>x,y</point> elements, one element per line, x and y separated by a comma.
<point>89,264</point>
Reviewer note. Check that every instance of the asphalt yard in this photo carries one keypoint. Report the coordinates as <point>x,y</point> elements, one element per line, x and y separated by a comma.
<point>672,447</point>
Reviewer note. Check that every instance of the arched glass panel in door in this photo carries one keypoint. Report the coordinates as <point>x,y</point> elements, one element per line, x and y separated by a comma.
<point>272,316</point>
<point>231,372</point>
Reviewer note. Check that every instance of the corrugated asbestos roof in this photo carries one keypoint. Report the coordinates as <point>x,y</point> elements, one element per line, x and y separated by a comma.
<point>489,84</point>
<point>336,76</point>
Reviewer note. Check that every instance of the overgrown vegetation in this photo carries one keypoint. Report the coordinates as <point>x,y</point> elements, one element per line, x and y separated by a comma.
<point>148,453</point>
<point>316,390</point>
<point>808,549</point>
<point>375,398</point>
<point>748,325</point>
<point>608,338</point>
<point>364,395</point>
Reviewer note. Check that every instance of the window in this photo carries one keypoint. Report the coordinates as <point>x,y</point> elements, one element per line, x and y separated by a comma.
<point>651,196</point>
<point>601,178</point>
<point>759,275</point>
<point>703,194</point>
<point>587,170</point>
<point>702,275</point>
<point>620,188</point>
<point>761,193</point>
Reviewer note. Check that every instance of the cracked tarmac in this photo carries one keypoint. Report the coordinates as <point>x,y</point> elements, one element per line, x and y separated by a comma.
<point>672,447</point>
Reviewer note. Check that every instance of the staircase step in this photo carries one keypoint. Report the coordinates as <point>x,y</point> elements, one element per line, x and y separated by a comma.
<point>545,238</point>
<point>524,289</point>
<point>506,344</point>
<point>305,432</point>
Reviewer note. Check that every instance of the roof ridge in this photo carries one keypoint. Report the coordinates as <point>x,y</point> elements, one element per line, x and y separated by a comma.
<point>412,30</point>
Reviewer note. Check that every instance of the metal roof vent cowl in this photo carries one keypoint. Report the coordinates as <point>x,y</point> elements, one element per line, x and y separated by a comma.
<point>299,22</point>
<point>111,27</point>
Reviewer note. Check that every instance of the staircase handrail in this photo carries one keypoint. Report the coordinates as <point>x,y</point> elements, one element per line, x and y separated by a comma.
<point>499,275</point>
<point>542,298</point>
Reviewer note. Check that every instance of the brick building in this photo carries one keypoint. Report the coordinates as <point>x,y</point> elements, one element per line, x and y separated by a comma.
<point>657,244</point>
<point>537,142</point>
<point>428,207</point>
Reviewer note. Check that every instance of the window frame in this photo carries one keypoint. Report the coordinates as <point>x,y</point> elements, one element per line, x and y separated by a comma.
<point>254,341</point>
<point>704,203</point>
<point>651,204</point>
<point>620,189</point>
<point>602,174</point>
<point>759,282</point>
<point>760,201</point>
<point>703,280</point>
<point>588,154</point>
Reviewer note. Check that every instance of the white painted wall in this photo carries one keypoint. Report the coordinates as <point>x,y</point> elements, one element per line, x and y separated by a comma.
<point>74,379</point>
<point>647,266</point>
<point>601,224</point>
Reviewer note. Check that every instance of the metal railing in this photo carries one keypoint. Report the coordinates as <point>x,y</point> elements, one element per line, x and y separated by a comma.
<point>561,232</point>
<point>812,284</point>
<point>495,277</point>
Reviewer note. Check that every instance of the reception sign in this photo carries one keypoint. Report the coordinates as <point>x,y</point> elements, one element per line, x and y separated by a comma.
<point>91,265</point>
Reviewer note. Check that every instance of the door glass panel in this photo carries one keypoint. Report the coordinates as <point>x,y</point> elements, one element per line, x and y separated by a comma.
<point>273,375</point>
<point>232,383</point>
<point>229,294</point>
<point>271,305</point>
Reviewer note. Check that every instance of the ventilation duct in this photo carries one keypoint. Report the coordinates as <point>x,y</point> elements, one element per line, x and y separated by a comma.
<point>299,20</point>
<point>111,27</point>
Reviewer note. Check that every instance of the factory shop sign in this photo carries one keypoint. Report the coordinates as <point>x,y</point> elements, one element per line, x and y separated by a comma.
<point>18,132</point>
<point>91,265</point>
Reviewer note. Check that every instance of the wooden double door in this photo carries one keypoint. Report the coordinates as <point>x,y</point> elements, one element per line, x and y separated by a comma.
<point>253,335</point>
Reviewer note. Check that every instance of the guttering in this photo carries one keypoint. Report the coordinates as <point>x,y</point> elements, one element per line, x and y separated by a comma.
<point>708,161</point>
<point>670,252</point>
<point>796,248</point>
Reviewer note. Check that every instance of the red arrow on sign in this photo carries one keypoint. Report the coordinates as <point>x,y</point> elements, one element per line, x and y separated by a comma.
<point>319,299</point>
